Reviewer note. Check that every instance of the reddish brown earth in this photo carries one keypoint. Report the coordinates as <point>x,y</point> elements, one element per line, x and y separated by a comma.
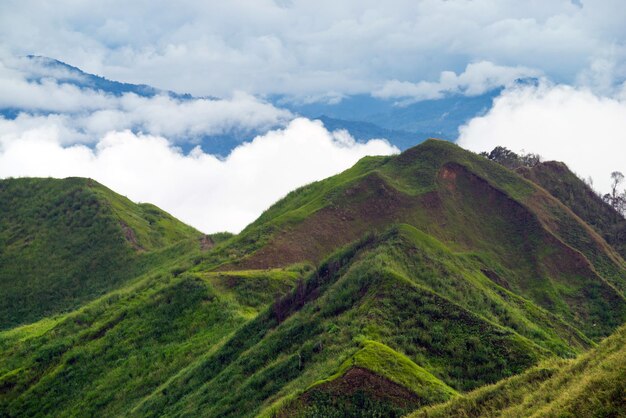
<point>369,205</point>
<point>356,380</point>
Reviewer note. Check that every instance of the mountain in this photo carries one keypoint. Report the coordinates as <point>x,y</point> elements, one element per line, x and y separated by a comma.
<point>439,118</point>
<point>366,130</point>
<point>402,283</point>
<point>592,385</point>
<point>64,241</point>
<point>63,73</point>
<point>557,179</point>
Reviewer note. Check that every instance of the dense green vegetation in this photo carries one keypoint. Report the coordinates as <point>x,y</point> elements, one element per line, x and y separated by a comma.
<point>556,178</point>
<point>403,282</point>
<point>593,385</point>
<point>64,242</point>
<point>136,338</point>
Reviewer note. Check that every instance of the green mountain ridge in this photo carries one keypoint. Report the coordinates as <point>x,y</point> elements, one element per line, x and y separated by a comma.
<point>403,282</point>
<point>64,241</point>
<point>557,179</point>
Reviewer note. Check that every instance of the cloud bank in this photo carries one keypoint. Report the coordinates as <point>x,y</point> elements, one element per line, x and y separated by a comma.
<point>209,193</point>
<point>299,47</point>
<point>85,114</point>
<point>573,125</point>
<point>478,78</point>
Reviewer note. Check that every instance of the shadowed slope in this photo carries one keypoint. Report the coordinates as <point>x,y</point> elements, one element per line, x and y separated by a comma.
<point>557,179</point>
<point>63,242</point>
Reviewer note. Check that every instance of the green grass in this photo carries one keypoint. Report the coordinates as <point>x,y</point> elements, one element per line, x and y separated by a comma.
<point>557,178</point>
<point>542,251</point>
<point>353,297</point>
<point>136,338</point>
<point>365,397</point>
<point>64,242</point>
<point>398,368</point>
<point>590,386</point>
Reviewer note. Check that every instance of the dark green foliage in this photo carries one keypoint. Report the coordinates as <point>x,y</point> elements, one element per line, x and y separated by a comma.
<point>63,242</point>
<point>219,237</point>
<point>556,178</point>
<point>510,159</point>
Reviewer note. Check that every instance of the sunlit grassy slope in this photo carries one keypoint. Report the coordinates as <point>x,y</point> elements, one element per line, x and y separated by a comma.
<point>400,284</point>
<point>109,355</point>
<point>593,385</point>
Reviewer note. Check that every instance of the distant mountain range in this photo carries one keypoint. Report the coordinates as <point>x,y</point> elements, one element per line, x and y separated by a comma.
<point>64,73</point>
<point>364,116</point>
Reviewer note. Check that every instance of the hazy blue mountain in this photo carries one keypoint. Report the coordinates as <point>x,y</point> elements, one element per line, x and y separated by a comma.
<point>439,118</point>
<point>66,74</point>
<point>366,130</point>
<point>364,116</point>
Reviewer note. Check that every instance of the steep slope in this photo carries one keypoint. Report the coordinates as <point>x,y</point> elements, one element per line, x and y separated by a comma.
<point>557,179</point>
<point>593,385</point>
<point>375,381</point>
<point>528,241</point>
<point>63,242</point>
<point>364,294</point>
<point>105,357</point>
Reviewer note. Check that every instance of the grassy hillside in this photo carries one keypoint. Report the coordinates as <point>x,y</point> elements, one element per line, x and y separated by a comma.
<point>63,242</point>
<point>363,295</point>
<point>529,241</point>
<point>593,385</point>
<point>402,283</point>
<point>557,179</point>
<point>106,357</point>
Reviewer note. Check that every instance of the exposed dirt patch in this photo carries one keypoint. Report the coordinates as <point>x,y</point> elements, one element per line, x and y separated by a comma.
<point>130,236</point>
<point>448,174</point>
<point>369,205</point>
<point>206,243</point>
<point>494,277</point>
<point>540,238</point>
<point>377,386</point>
<point>357,388</point>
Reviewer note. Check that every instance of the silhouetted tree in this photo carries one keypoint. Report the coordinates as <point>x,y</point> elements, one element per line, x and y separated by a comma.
<point>510,159</point>
<point>615,199</point>
<point>617,177</point>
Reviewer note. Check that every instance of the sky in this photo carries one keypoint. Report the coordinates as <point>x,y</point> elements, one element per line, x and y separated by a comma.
<point>245,51</point>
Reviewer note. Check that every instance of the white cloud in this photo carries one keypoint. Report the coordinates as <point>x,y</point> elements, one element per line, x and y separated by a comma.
<point>576,126</point>
<point>85,114</point>
<point>312,48</point>
<point>208,193</point>
<point>478,78</point>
